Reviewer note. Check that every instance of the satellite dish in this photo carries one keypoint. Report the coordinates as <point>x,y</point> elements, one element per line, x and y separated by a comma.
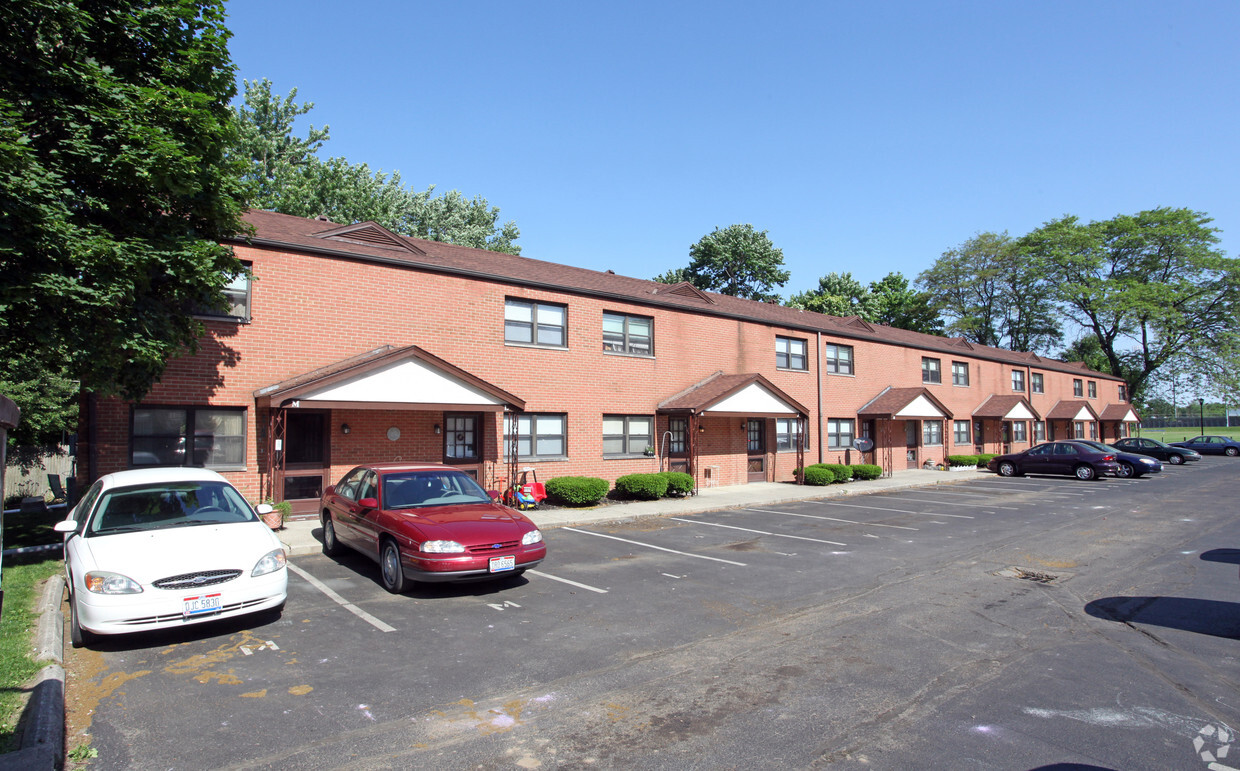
<point>864,444</point>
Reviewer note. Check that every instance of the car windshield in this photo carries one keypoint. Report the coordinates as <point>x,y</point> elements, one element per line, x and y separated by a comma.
<point>413,489</point>
<point>172,504</point>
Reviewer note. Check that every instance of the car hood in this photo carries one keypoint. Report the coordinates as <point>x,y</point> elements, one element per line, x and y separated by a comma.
<point>154,554</point>
<point>470,523</point>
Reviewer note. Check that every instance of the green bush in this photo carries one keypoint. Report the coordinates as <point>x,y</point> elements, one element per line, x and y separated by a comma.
<point>577,491</point>
<point>817,475</point>
<point>962,460</point>
<point>678,482</point>
<point>646,487</point>
<point>985,458</point>
<point>841,472</point>
<point>866,471</point>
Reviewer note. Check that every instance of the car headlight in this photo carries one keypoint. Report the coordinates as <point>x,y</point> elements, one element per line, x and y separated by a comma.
<point>534,536</point>
<point>102,582</point>
<point>1148,461</point>
<point>442,547</point>
<point>270,563</point>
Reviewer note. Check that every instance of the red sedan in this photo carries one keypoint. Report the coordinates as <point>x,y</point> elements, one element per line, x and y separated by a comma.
<point>425,522</point>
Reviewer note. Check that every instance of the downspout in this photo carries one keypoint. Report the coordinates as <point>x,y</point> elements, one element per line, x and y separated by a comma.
<point>818,359</point>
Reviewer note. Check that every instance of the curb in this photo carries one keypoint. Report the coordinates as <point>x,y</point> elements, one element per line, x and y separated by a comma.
<point>43,733</point>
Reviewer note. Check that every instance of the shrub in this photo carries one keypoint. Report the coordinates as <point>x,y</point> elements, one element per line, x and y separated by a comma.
<point>678,482</point>
<point>841,472</point>
<point>817,475</point>
<point>985,458</point>
<point>962,460</point>
<point>647,487</point>
<point>866,471</point>
<point>577,491</point>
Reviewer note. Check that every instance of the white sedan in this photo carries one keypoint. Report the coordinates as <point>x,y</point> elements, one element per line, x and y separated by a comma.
<point>158,548</point>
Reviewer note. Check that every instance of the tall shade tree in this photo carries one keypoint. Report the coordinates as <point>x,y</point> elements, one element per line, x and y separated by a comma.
<point>285,174</point>
<point>838,294</point>
<point>992,294</point>
<point>114,193</point>
<point>895,303</point>
<point>1148,287</point>
<point>737,260</point>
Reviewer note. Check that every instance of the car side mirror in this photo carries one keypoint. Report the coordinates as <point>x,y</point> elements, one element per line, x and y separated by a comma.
<point>368,503</point>
<point>66,526</point>
<point>264,508</point>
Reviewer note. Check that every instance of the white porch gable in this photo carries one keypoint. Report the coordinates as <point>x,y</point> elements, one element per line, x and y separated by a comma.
<point>920,407</point>
<point>409,381</point>
<point>753,399</point>
<point>1019,412</point>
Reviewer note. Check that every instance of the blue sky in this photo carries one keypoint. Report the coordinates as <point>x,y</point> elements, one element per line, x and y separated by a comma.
<point>867,136</point>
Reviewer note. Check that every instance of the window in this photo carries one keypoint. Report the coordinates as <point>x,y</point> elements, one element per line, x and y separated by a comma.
<point>786,430</point>
<point>840,433</point>
<point>627,434</point>
<point>534,323</point>
<point>210,437</point>
<point>236,298</point>
<point>960,373</point>
<point>1123,392</point>
<point>931,432</point>
<point>1039,430</point>
<point>1078,428</point>
<point>1018,380</point>
<point>960,433</point>
<point>790,353</point>
<point>1035,383</point>
<point>1093,431</point>
<point>628,334</point>
<point>930,371</point>
<point>460,437</point>
<point>1093,390</point>
<point>539,435</point>
<point>840,359</point>
<point>1020,431</point>
<point>1077,388</point>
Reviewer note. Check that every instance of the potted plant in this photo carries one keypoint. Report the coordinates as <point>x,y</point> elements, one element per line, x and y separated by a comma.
<point>274,514</point>
<point>649,451</point>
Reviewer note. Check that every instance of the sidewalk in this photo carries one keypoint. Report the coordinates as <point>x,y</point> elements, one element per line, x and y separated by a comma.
<point>304,536</point>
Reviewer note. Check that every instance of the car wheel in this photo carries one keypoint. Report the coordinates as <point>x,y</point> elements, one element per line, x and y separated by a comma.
<point>331,546</point>
<point>390,568</point>
<point>1085,473</point>
<point>1007,469</point>
<point>1176,459</point>
<point>1126,471</point>
<point>77,635</point>
<point>1232,452</point>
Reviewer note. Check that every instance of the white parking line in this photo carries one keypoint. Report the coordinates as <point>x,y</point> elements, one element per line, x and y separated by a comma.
<point>587,587</point>
<point>832,519</point>
<point>325,589</point>
<point>965,495</point>
<point>958,503</point>
<point>1028,488</point>
<point>898,511</point>
<point>759,532</point>
<point>652,546</point>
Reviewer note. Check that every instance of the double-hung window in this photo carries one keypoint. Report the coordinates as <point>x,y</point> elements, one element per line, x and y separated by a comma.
<point>1018,380</point>
<point>840,433</point>
<point>786,430</point>
<point>535,323</point>
<point>960,373</point>
<point>1123,393</point>
<point>627,434</point>
<point>931,370</point>
<point>790,353</point>
<point>960,432</point>
<point>1078,388</point>
<point>211,437</point>
<point>539,435</point>
<point>628,334</point>
<point>1035,383</point>
<point>1039,430</point>
<point>932,433</point>
<point>1093,390</point>
<point>236,298</point>
<point>1020,431</point>
<point>839,359</point>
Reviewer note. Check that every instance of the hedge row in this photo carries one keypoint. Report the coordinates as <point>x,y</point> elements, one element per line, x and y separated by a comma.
<point>828,473</point>
<point>577,491</point>
<point>649,487</point>
<point>970,460</point>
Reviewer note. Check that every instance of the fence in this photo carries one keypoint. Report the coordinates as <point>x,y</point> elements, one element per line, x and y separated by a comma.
<point>1188,421</point>
<point>21,483</point>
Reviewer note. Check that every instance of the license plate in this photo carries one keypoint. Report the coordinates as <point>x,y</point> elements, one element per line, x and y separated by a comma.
<point>500,564</point>
<point>205,603</point>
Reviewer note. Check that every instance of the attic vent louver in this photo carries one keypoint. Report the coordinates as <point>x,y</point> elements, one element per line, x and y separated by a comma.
<point>371,234</point>
<point>689,291</point>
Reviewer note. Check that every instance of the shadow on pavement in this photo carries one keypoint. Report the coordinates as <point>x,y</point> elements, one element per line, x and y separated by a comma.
<point>1212,617</point>
<point>1230,556</point>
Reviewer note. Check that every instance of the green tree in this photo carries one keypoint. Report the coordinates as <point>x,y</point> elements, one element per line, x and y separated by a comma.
<point>838,294</point>
<point>285,174</point>
<point>737,260</point>
<point>897,304</point>
<point>115,193</point>
<point>1149,287</point>
<point>673,276</point>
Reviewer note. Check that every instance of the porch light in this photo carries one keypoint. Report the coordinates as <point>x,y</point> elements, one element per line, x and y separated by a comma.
<point>701,429</point>
<point>438,429</point>
<point>344,428</point>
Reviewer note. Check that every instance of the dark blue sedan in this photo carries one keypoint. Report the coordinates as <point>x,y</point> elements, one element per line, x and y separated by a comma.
<point>1130,464</point>
<point>1212,445</point>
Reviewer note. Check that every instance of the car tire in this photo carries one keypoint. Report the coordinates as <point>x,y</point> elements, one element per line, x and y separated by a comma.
<point>1126,471</point>
<point>1176,459</point>
<point>391,572</point>
<point>78,636</point>
<point>1007,469</point>
<point>1085,473</point>
<point>1232,452</point>
<point>331,544</point>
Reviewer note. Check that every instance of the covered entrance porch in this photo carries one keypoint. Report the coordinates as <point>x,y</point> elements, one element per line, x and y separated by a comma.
<point>911,428</point>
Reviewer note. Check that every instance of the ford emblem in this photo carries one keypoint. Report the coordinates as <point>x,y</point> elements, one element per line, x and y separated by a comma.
<point>198,580</point>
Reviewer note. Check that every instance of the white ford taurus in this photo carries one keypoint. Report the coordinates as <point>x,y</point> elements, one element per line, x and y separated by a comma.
<point>159,548</point>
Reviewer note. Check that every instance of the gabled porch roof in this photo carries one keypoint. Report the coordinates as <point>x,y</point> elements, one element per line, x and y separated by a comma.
<point>1122,413</point>
<point>745,395</point>
<point>1007,408</point>
<point>911,403</point>
<point>1072,410</point>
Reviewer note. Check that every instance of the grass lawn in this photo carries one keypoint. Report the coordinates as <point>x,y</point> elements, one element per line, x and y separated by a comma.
<point>31,529</point>
<point>1181,434</point>
<point>22,584</point>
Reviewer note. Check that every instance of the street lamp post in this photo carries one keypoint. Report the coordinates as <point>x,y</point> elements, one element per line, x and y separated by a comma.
<point>1201,407</point>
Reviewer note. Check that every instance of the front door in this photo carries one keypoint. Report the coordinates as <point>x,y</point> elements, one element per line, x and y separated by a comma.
<point>1006,436</point>
<point>305,460</point>
<point>979,437</point>
<point>755,439</point>
<point>912,434</point>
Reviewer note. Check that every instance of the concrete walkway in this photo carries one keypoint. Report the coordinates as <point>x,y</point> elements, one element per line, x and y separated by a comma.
<point>304,536</point>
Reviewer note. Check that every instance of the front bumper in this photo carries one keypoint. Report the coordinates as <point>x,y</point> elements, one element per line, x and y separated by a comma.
<point>469,567</point>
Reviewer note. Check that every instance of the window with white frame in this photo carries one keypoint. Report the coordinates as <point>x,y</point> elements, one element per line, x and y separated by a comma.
<point>1020,431</point>
<point>1093,430</point>
<point>1093,390</point>
<point>1018,380</point>
<point>628,334</point>
<point>960,373</point>
<point>786,434</point>
<point>535,323</point>
<point>931,433</point>
<point>790,353</point>
<point>539,435</point>
<point>960,432</point>
<point>1078,387</point>
<point>236,298</point>
<point>1123,392</point>
<point>1036,384</point>
<point>840,433</point>
<point>1039,430</point>
<point>627,434</point>
<point>1078,428</point>
<point>931,370</point>
<point>210,437</point>
<point>839,359</point>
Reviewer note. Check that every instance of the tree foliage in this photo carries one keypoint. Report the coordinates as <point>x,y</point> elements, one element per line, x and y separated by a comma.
<point>115,193</point>
<point>737,260</point>
<point>838,294</point>
<point>890,301</point>
<point>286,174</point>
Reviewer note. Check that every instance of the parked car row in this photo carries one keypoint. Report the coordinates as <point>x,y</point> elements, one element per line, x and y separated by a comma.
<point>1126,458</point>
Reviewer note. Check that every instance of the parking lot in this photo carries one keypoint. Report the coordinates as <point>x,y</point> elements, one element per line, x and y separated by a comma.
<point>1046,617</point>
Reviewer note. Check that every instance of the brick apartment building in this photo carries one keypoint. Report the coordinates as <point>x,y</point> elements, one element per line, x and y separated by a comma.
<point>352,344</point>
